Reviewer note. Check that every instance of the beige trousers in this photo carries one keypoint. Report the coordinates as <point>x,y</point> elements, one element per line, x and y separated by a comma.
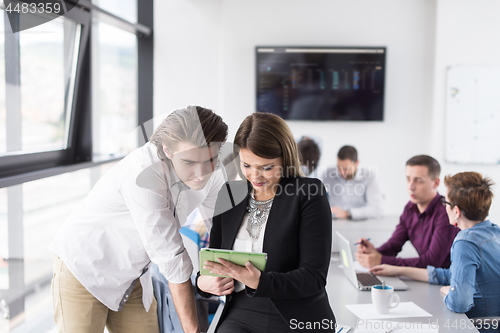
<point>77,311</point>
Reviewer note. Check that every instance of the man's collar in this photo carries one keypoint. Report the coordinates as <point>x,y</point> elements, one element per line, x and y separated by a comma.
<point>173,179</point>
<point>430,208</point>
<point>358,175</point>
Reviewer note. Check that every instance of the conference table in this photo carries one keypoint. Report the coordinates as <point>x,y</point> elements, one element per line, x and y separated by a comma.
<point>427,296</point>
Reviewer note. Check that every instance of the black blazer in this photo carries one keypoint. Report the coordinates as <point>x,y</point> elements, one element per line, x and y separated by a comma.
<point>297,240</point>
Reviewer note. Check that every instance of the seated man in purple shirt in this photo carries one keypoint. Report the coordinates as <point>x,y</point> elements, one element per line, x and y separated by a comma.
<point>424,223</point>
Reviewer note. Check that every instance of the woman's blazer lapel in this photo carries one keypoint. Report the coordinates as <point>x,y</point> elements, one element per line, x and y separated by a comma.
<point>274,224</point>
<point>232,221</point>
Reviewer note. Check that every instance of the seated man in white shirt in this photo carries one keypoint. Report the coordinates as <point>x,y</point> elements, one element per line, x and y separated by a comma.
<point>131,218</point>
<point>354,192</point>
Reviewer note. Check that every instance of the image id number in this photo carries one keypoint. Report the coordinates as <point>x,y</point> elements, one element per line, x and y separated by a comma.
<point>33,8</point>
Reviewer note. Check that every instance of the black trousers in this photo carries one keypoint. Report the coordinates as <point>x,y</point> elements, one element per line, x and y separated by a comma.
<point>252,315</point>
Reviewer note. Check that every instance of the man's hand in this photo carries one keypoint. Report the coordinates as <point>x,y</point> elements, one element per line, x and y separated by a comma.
<point>249,275</point>
<point>369,260</point>
<point>364,246</point>
<point>339,213</point>
<point>445,290</point>
<point>388,270</point>
<point>216,285</point>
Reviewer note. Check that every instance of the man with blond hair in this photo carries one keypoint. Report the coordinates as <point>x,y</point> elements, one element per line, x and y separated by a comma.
<point>132,217</point>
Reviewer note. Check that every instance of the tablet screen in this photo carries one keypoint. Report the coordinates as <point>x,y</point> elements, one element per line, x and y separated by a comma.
<point>237,257</point>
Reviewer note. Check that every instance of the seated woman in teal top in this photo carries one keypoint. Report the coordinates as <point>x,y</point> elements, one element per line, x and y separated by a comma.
<point>471,282</point>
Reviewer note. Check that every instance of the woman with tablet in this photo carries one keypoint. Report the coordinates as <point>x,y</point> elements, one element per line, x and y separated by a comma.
<point>284,215</point>
<point>471,282</point>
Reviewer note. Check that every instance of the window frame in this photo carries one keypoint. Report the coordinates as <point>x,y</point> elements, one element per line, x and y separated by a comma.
<point>19,167</point>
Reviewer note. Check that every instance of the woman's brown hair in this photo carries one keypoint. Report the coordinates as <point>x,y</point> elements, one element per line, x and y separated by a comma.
<point>268,136</point>
<point>471,192</point>
<point>193,124</point>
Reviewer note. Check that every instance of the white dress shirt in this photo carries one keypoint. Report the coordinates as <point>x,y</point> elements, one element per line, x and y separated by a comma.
<point>244,243</point>
<point>361,196</point>
<point>126,221</point>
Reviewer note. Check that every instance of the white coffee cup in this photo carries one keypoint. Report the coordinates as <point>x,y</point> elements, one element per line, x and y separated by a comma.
<point>383,298</point>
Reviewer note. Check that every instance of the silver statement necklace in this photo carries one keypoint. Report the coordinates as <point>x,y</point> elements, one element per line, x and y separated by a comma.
<point>258,211</point>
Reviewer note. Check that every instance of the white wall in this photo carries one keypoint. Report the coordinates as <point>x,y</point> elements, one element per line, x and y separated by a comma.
<point>406,28</point>
<point>466,34</point>
<point>188,55</point>
<point>204,54</point>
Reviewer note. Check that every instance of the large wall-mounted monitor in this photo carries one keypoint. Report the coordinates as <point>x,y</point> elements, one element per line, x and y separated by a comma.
<point>321,83</point>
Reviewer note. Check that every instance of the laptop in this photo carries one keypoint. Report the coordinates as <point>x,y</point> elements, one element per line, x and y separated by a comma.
<point>363,281</point>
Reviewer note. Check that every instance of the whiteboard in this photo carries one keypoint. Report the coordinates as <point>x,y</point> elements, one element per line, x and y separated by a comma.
<point>472,124</point>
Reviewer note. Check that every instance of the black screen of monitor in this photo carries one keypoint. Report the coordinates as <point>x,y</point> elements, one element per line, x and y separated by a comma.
<point>321,83</point>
